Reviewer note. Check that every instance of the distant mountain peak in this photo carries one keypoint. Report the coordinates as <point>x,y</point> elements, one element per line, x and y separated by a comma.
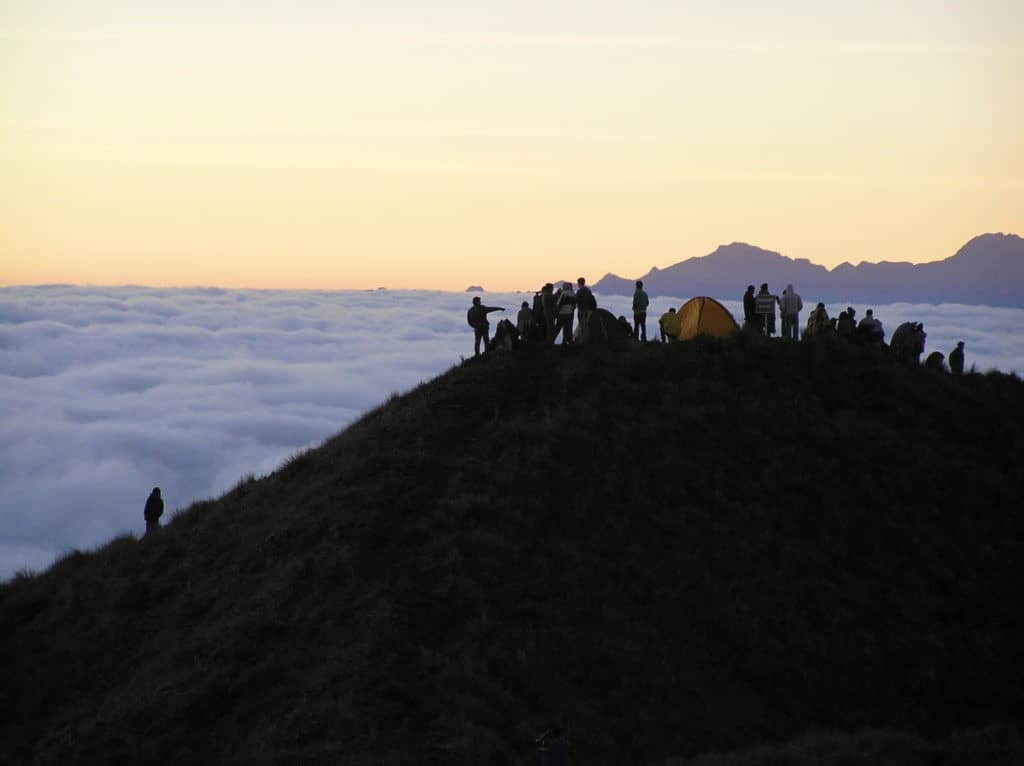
<point>989,269</point>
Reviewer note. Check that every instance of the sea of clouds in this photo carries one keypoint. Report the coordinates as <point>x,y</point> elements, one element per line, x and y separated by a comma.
<point>108,392</point>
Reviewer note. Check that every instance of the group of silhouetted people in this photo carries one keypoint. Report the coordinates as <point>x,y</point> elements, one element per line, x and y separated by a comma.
<point>555,312</point>
<point>907,342</point>
<point>564,312</point>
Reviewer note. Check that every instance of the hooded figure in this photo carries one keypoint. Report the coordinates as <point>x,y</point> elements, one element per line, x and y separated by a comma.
<point>153,511</point>
<point>818,322</point>
<point>790,306</point>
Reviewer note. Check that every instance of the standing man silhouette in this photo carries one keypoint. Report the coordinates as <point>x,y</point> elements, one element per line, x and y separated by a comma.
<point>586,303</point>
<point>956,359</point>
<point>154,510</point>
<point>477,319</point>
<point>640,303</point>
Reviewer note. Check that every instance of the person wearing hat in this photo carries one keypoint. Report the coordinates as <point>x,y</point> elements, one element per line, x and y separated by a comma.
<point>956,359</point>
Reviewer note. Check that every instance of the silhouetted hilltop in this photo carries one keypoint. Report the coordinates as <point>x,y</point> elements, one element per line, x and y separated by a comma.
<point>673,550</point>
<point>987,270</point>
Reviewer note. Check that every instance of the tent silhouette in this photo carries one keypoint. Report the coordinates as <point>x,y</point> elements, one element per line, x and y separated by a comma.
<point>606,330</point>
<point>701,316</point>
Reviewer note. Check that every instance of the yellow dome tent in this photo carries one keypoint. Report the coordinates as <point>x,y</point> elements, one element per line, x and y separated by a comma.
<point>702,316</point>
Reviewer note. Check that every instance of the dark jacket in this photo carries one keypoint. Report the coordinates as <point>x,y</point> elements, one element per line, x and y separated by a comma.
<point>477,315</point>
<point>748,306</point>
<point>154,507</point>
<point>640,301</point>
<point>956,361</point>
<point>585,299</point>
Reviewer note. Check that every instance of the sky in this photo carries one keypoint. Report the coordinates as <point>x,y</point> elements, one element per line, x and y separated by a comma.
<point>108,392</point>
<point>347,144</point>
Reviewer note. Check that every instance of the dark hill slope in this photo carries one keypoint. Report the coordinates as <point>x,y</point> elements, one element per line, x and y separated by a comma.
<point>672,550</point>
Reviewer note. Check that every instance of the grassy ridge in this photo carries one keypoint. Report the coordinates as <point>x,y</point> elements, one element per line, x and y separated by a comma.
<point>673,550</point>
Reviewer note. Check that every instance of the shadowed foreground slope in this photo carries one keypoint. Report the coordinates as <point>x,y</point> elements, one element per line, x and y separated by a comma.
<point>673,550</point>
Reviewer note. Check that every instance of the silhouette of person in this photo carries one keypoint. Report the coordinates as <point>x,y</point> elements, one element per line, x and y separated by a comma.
<point>934,361</point>
<point>790,306</point>
<point>566,304</point>
<point>661,325</point>
<point>547,300</point>
<point>818,322</point>
<point>640,303</point>
<point>847,326</point>
<point>585,305</point>
<point>554,747</point>
<point>524,321</point>
<point>751,319</point>
<point>956,359</point>
<point>765,303</point>
<point>505,336</point>
<point>477,319</point>
<point>870,329</point>
<point>540,330</point>
<point>153,511</point>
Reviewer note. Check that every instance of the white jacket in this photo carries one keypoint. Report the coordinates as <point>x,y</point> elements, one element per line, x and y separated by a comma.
<point>791,303</point>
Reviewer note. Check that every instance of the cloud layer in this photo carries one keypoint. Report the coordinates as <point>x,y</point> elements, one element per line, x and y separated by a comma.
<point>108,392</point>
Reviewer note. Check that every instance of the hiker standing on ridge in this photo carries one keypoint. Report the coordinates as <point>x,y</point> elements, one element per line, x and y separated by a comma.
<point>477,319</point>
<point>153,511</point>
<point>765,303</point>
<point>956,359</point>
<point>640,303</point>
<point>585,304</point>
<point>566,304</point>
<point>750,316</point>
<point>870,330</point>
<point>547,302</point>
<point>790,306</point>
<point>524,322</point>
<point>847,325</point>
<point>818,322</point>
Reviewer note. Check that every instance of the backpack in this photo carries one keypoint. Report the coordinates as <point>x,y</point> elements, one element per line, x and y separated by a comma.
<point>469,319</point>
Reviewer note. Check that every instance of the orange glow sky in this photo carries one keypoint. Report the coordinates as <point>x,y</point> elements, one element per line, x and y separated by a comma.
<point>437,145</point>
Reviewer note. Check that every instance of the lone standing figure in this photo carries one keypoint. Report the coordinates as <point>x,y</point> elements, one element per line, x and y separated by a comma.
<point>154,510</point>
<point>477,319</point>
<point>640,303</point>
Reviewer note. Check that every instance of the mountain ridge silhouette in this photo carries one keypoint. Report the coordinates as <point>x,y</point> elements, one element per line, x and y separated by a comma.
<point>989,270</point>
